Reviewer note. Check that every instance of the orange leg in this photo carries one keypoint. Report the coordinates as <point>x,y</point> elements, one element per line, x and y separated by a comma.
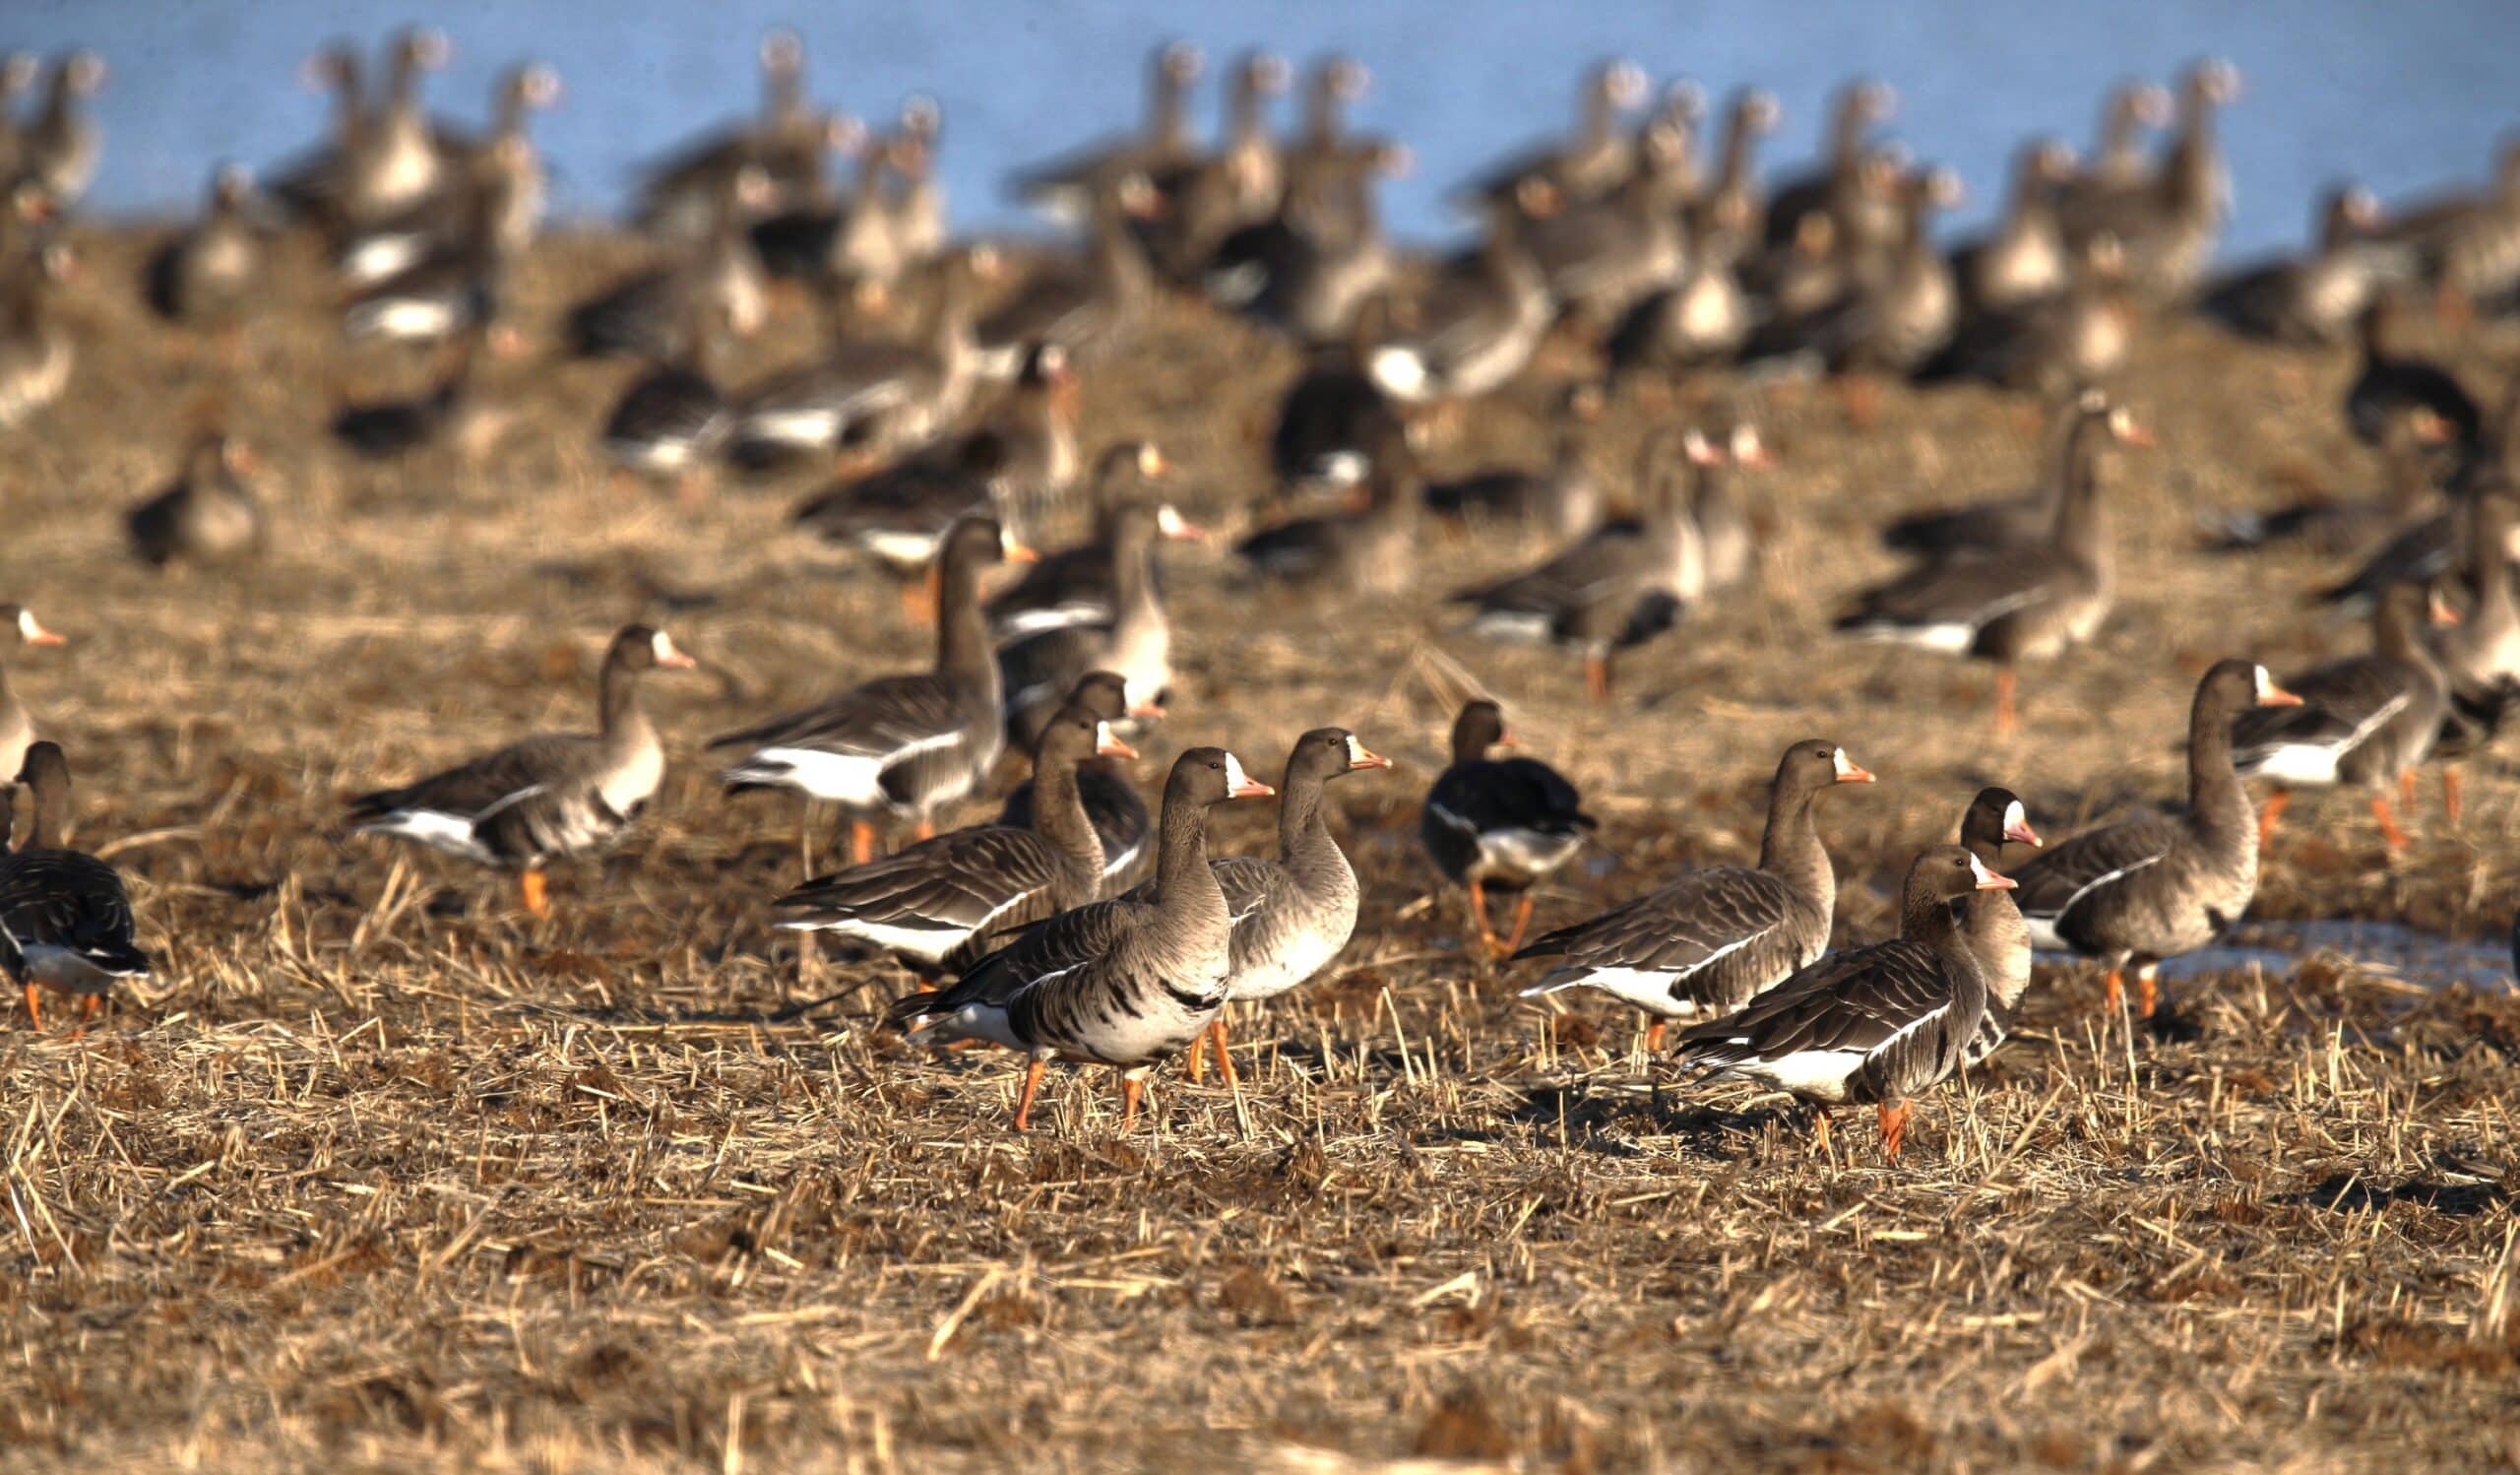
<point>1225,1059</point>
<point>1521,924</point>
<point>88,1008</point>
<point>2268,818</point>
<point>536,888</point>
<point>1862,395</point>
<point>2114,992</point>
<point>1654,1037</point>
<point>34,1016</point>
<point>1820,1134</point>
<point>2390,835</point>
<point>2451,785</point>
<point>2007,718</point>
<point>2406,790</point>
<point>1596,677</point>
<point>1478,914</point>
<point>1197,1067</point>
<point>927,829</point>
<point>1031,1085</point>
<point>861,842</point>
<point>1894,1128</point>
<point>1131,1088</point>
<point>2148,990</point>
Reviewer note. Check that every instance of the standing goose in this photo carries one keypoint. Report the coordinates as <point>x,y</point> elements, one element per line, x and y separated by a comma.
<point>1373,551</point>
<point>1079,585</point>
<point>1595,159</point>
<point>548,797</point>
<point>1560,502</point>
<point>2411,543</point>
<point>1499,824</point>
<point>1312,270</point>
<point>1122,823</point>
<point>2048,346</point>
<point>1736,204</point>
<point>1874,1024</point>
<point>2120,158</point>
<point>2010,605</point>
<point>495,184</point>
<point>1136,641</point>
<point>205,275</point>
<point>309,187</point>
<point>1836,187</point>
<point>460,282</point>
<point>672,418</point>
<point>2157,885</point>
<point>903,745</point>
<point>1240,185</point>
<point>1125,983</point>
<point>1087,307</point>
<point>394,162</point>
<point>2316,298</point>
<point>2008,522</point>
<point>1294,914</point>
<point>1335,415</point>
<point>2025,260</point>
<point>2392,383</point>
<point>36,353</point>
<point>1716,937</point>
<point>2364,719</point>
<point>946,899</point>
<point>1064,188</point>
<point>1991,922</point>
<point>209,516</point>
<point>786,144</point>
<point>1601,257</point>
<point>646,313</point>
<point>18,73</point>
<point>452,411</point>
<point>16,728</point>
<point>65,921</point>
<point>875,396</point>
<point>2168,225</point>
<point>2481,657</point>
<point>1705,317</point>
<point>1480,320</point>
<point>58,152</point>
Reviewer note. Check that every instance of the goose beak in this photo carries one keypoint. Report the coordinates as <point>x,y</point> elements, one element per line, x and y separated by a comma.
<point>2271,695</point>
<point>1171,524</point>
<point>1360,756</point>
<point>1017,552</point>
<point>1147,712</point>
<point>671,658</point>
<point>36,634</point>
<point>1508,740</point>
<point>2017,827</point>
<point>1851,772</point>
<point>1241,784</point>
<point>1109,747</point>
<point>2438,609</point>
<point>1987,880</point>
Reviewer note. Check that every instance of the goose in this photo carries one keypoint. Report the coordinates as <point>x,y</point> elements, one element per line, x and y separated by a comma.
<point>1590,163</point>
<point>36,353</point>
<point>1705,317</point>
<point>874,396</point>
<point>548,797</point>
<point>2050,346</point>
<point>1561,501</point>
<point>1876,1024</point>
<point>1064,188</point>
<point>1090,307</point>
<point>1499,824</point>
<point>1373,551</point>
<point>2025,260</point>
<point>1294,913</point>
<point>1618,587</point>
<point>917,210</point>
<point>452,411</point>
<point>1897,317</point>
<point>19,72</point>
<point>1717,936</point>
<point>17,728</point>
<point>2364,719</point>
<point>2009,604</point>
<point>58,151</point>
<point>1038,670</point>
<point>65,919</point>
<point>942,902</point>
<point>2425,451</point>
<point>2155,885</point>
<point>2316,298</point>
<point>460,284</point>
<point>1479,321</point>
<point>2410,542</point>
<point>1077,585</point>
<point>904,744</point>
<point>672,418</point>
<point>309,187</point>
<point>2015,521</point>
<point>679,196</point>
<point>2391,383</point>
<point>2467,246</point>
<point>207,273</point>
<point>1335,414</point>
<point>1010,469</point>
<point>2121,161</point>
<point>394,162</point>
<point>645,314</point>
<point>1991,922</point>
<point>495,184</point>
<point>1312,270</point>
<point>2168,225</point>
<point>847,246</point>
<point>1125,983</point>
<point>1736,203</point>
<point>1599,257</point>
<point>1241,184</point>
<point>2481,654</point>
<point>1836,188</point>
<point>1122,823</point>
<point>211,515</point>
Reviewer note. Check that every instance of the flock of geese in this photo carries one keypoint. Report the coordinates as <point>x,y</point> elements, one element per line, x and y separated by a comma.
<point>1078,923</point>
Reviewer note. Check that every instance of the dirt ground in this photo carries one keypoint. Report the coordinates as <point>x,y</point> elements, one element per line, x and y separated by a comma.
<point>377,1172</point>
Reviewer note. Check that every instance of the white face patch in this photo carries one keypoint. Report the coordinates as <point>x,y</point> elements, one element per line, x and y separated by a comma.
<point>1695,447</point>
<point>1839,760</point>
<point>2265,683</point>
<point>1103,738</point>
<point>1234,776</point>
<point>1169,522</point>
<point>2016,817</point>
<point>1987,880</point>
<point>662,644</point>
<point>27,627</point>
<point>1357,753</point>
<point>1745,443</point>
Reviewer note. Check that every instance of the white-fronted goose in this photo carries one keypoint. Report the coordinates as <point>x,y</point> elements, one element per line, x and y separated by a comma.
<point>59,150</point>
<point>1618,587</point>
<point>65,921</point>
<point>2393,382</point>
<point>2049,346</point>
<point>452,411</point>
<point>1874,1024</point>
<point>2029,602</point>
<point>205,275</point>
<point>1122,823</point>
<point>916,207</point>
<point>1836,188</point>
<point>18,73</point>
<point>209,516</point>
<point>904,744</point>
<point>2316,298</point>
<point>18,625</point>
<point>1065,187</point>
<point>2121,156</point>
<point>1294,913</point>
<point>1601,257</point>
<point>1705,317</point>
<point>645,314</point>
<point>672,418</point>
<point>2025,260</point>
<point>394,162</point>
<point>946,899</point>
<point>2158,885</point>
<point>1038,670</point>
<point>548,797</point>
<point>310,186</point>
<point>36,353</point>
<point>2411,450</point>
<point>1991,922</point>
<point>495,184</point>
<point>2467,245</point>
<point>678,199</point>
<point>1311,271</point>
<point>1735,202</point>
<point>1088,306</point>
<point>1901,313</point>
<point>877,397</point>
<point>1371,551</point>
<point>1592,160</point>
<point>2481,654</point>
<point>458,283</point>
<point>1241,184</point>
<point>1079,585</point>
<point>1126,982</point>
<point>2364,719</point>
<point>1716,937</point>
<point>1558,501</point>
<point>1728,540</point>
<point>1479,321</point>
<point>1335,415</point>
<point>2014,521</point>
<point>2168,225</point>
<point>1499,824</point>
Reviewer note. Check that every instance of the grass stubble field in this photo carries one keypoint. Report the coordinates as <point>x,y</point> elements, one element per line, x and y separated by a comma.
<point>378,1173</point>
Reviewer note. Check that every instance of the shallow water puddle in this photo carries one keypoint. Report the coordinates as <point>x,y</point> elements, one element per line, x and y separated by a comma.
<point>2418,957</point>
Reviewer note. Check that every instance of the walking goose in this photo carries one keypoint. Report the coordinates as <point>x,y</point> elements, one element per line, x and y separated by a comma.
<point>65,921</point>
<point>1991,922</point>
<point>1499,824</point>
<point>2155,885</point>
<point>2364,719</point>
<point>209,516</point>
<point>1122,823</point>
<point>942,902</point>
<point>1718,936</point>
<point>1079,585</point>
<point>1136,641</point>
<point>1124,983</point>
<point>16,728</point>
<point>903,745</point>
<point>2010,605</point>
<point>1294,913</point>
<point>1876,1024</point>
<point>548,797</point>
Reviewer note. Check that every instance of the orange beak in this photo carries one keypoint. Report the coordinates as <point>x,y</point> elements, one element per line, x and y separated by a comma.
<point>38,635</point>
<point>2023,834</point>
<point>1112,747</point>
<point>2277,696</point>
<point>1365,758</point>
<point>1249,789</point>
